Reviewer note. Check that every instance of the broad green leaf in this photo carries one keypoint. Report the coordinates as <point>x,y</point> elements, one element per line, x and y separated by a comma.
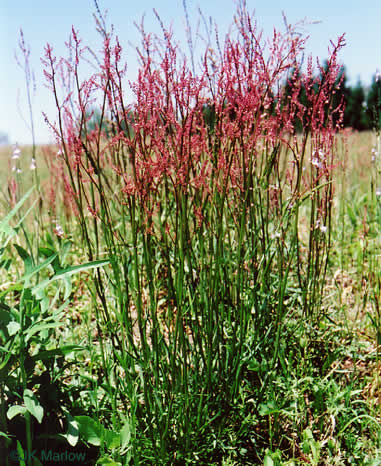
<point>268,408</point>
<point>33,405</point>
<point>112,439</point>
<point>15,410</point>
<point>26,258</point>
<point>72,435</point>
<point>47,252</point>
<point>13,328</point>
<point>89,429</point>
<point>268,461</point>
<point>38,268</point>
<point>125,436</point>
<point>39,327</point>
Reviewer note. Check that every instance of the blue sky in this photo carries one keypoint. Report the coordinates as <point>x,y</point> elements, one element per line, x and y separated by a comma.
<point>50,21</point>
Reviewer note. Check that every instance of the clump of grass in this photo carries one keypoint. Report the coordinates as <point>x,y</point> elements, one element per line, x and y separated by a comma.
<point>215,214</point>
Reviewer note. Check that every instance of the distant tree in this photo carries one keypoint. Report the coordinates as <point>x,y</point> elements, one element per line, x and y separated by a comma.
<point>109,125</point>
<point>373,103</point>
<point>355,115</point>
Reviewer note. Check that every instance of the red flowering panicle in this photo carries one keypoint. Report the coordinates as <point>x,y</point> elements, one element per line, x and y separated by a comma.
<point>228,126</point>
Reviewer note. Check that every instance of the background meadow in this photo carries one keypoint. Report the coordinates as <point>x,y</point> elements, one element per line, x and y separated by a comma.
<point>192,275</point>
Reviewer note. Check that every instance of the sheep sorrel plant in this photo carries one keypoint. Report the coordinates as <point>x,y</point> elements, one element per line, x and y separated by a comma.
<point>210,193</point>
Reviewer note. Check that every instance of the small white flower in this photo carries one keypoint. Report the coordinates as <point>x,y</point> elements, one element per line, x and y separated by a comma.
<point>16,153</point>
<point>33,165</point>
<point>378,75</point>
<point>315,162</point>
<point>378,191</point>
<point>320,226</point>
<point>58,230</point>
<point>374,154</point>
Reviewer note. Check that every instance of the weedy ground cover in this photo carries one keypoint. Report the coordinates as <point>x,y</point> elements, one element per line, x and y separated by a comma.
<point>231,315</point>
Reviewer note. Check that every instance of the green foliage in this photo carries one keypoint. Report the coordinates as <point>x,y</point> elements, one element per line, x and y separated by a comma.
<point>31,310</point>
<point>373,102</point>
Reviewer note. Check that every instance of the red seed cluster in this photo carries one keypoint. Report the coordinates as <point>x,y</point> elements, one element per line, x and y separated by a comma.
<point>196,132</point>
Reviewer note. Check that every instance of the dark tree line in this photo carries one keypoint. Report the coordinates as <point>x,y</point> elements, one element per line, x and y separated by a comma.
<point>362,104</point>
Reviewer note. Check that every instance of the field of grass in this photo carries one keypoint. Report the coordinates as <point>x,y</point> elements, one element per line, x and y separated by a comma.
<point>193,283</point>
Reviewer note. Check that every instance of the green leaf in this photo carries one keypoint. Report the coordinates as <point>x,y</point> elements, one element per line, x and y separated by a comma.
<point>39,327</point>
<point>48,252</point>
<point>64,274</point>
<point>125,437</point>
<point>21,453</point>
<point>79,268</point>
<point>72,435</point>
<point>15,209</point>
<point>45,355</point>
<point>107,461</point>
<point>89,429</point>
<point>38,268</point>
<point>33,405</point>
<point>68,287</point>
<point>13,327</point>
<point>268,408</point>
<point>268,461</point>
<point>112,439</point>
<point>6,308</point>
<point>26,258</point>
<point>15,410</point>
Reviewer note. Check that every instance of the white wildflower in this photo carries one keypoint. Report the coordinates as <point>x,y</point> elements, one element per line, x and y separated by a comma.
<point>378,191</point>
<point>316,163</point>
<point>16,153</point>
<point>58,230</point>
<point>374,154</point>
<point>320,226</point>
<point>33,165</point>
